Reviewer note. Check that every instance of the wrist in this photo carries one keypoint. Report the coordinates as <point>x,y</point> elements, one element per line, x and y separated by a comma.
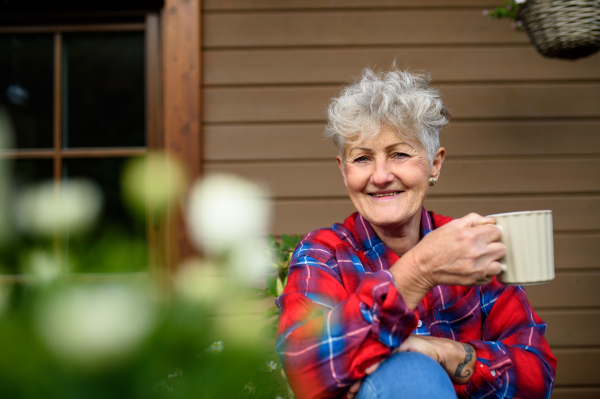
<point>460,364</point>
<point>409,280</point>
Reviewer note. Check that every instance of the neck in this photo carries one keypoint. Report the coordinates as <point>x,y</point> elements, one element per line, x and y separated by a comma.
<point>401,239</point>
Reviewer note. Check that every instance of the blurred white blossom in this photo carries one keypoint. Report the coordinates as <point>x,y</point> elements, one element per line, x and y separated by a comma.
<point>44,266</point>
<point>199,282</point>
<point>95,325</point>
<point>520,1</point>
<point>250,260</point>
<point>269,366</point>
<point>155,181</point>
<point>249,387</point>
<point>46,208</point>
<point>178,373</point>
<point>224,210</point>
<point>215,348</point>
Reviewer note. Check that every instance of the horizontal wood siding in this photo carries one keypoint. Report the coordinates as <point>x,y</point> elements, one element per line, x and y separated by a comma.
<point>525,130</point>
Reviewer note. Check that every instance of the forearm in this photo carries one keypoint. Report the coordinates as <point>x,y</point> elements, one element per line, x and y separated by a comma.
<point>461,364</point>
<point>513,356</point>
<point>409,281</point>
<point>502,368</point>
<point>325,352</point>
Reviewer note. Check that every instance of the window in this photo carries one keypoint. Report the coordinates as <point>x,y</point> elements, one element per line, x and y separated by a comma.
<point>82,100</point>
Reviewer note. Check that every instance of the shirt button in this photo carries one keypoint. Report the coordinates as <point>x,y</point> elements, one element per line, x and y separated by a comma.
<point>419,324</point>
<point>493,373</point>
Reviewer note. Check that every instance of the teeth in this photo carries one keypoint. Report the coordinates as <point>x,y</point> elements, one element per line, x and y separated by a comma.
<point>385,195</point>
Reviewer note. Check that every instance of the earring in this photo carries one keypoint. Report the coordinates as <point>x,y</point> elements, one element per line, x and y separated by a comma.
<point>432,181</point>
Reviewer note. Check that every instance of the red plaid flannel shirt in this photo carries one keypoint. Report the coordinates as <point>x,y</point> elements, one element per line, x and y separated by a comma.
<point>341,312</point>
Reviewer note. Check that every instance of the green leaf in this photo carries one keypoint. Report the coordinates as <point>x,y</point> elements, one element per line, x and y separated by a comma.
<point>288,242</point>
<point>270,330</point>
<point>279,287</point>
<point>272,242</point>
<point>256,294</point>
<point>271,312</point>
<point>272,285</point>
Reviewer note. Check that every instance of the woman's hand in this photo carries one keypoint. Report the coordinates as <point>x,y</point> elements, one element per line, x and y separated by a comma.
<point>457,358</point>
<point>356,386</point>
<point>463,252</point>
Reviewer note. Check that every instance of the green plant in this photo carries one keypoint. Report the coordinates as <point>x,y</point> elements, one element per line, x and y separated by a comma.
<point>281,254</point>
<point>70,335</point>
<point>510,10</point>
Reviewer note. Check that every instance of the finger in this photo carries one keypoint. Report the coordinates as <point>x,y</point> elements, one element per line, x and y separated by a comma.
<point>371,369</point>
<point>353,389</point>
<point>494,252</point>
<point>489,232</point>
<point>405,345</point>
<point>494,269</point>
<point>471,220</point>
<point>487,220</point>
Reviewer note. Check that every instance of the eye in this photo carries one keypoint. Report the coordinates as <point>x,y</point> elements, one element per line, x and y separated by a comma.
<point>361,159</point>
<point>399,155</point>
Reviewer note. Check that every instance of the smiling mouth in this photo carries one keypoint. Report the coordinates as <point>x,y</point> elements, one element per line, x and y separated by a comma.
<point>385,195</point>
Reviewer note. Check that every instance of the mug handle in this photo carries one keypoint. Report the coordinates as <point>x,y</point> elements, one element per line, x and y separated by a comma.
<point>502,265</point>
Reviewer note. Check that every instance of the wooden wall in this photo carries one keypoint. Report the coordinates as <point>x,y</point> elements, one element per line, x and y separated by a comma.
<point>525,132</point>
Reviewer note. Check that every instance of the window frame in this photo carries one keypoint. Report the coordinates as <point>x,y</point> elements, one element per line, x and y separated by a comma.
<point>155,224</point>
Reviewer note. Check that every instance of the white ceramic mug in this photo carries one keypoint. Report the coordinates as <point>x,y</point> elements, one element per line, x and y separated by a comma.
<point>529,244</point>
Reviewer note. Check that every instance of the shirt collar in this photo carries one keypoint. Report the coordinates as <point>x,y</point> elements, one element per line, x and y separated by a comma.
<point>375,250</point>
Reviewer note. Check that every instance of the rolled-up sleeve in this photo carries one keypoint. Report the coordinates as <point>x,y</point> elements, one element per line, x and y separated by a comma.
<point>513,357</point>
<point>326,337</point>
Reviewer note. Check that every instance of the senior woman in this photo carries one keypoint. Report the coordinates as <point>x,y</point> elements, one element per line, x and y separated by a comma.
<point>398,302</point>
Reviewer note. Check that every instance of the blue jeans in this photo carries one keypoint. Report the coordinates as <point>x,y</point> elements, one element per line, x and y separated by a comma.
<point>407,375</point>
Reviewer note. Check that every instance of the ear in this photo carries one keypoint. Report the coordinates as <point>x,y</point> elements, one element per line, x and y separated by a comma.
<point>436,167</point>
<point>341,166</point>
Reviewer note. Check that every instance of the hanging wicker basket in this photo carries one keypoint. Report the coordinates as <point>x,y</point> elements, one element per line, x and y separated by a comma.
<point>563,28</point>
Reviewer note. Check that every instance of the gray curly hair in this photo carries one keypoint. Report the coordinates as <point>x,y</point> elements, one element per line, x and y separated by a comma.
<point>401,99</point>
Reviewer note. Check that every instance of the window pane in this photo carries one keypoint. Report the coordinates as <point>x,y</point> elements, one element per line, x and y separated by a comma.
<point>118,243</point>
<point>25,172</point>
<point>103,89</point>
<point>26,87</point>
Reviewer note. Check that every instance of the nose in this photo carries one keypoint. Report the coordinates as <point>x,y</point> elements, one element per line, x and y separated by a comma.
<point>381,175</point>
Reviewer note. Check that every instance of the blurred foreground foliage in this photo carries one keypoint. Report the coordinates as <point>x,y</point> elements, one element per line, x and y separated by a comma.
<point>64,335</point>
<point>281,252</point>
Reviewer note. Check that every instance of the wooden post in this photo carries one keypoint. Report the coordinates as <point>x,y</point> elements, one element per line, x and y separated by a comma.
<point>181,52</point>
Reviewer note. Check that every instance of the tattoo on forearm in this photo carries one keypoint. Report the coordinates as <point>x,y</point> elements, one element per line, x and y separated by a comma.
<point>460,368</point>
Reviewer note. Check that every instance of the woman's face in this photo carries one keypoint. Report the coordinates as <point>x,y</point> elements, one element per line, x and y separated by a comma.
<point>387,177</point>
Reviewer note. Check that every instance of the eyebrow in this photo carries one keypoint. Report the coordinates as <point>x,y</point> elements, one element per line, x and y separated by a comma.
<point>387,148</point>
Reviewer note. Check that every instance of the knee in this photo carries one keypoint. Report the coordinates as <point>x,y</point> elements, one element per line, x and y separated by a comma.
<point>408,375</point>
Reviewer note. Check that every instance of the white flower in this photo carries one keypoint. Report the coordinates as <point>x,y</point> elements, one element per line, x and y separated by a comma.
<point>71,207</point>
<point>199,282</point>
<point>154,181</point>
<point>224,210</point>
<point>250,260</point>
<point>269,366</point>
<point>215,348</point>
<point>250,387</point>
<point>44,266</point>
<point>177,373</point>
<point>520,1</point>
<point>95,325</point>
